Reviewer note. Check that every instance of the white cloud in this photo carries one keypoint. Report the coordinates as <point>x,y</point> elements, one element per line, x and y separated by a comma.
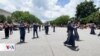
<point>43,9</point>
<point>4,2</point>
<point>57,10</point>
<point>10,8</point>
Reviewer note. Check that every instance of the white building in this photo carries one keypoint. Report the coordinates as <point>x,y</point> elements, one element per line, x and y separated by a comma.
<point>5,13</point>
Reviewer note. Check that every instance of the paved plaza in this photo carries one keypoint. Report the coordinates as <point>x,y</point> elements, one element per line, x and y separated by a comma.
<point>52,44</point>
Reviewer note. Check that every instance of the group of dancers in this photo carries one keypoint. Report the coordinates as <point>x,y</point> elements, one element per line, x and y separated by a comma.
<point>93,28</point>
<point>8,29</point>
<point>73,33</point>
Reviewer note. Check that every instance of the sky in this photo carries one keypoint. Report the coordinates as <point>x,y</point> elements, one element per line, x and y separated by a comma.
<point>44,9</point>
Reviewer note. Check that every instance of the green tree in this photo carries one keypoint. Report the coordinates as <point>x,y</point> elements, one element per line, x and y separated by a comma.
<point>62,20</point>
<point>84,9</point>
<point>94,18</point>
<point>25,16</point>
<point>9,19</point>
<point>2,18</point>
<point>17,15</point>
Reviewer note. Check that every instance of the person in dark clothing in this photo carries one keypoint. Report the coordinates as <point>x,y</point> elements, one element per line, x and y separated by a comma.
<point>93,29</point>
<point>6,29</point>
<point>35,30</point>
<point>22,32</point>
<point>39,27</point>
<point>68,25</point>
<point>11,28</point>
<point>28,28</point>
<point>53,28</point>
<point>46,28</point>
<point>42,27</point>
<point>76,35</point>
<point>71,39</point>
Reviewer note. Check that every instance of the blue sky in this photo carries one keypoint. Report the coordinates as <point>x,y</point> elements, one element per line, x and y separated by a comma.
<point>62,2</point>
<point>44,9</point>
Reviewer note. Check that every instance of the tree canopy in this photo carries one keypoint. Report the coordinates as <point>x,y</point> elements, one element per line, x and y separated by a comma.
<point>62,20</point>
<point>84,9</point>
<point>2,18</point>
<point>93,18</point>
<point>87,12</point>
<point>25,16</point>
<point>9,19</point>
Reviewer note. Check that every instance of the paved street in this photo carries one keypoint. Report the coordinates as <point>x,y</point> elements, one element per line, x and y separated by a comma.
<point>52,44</point>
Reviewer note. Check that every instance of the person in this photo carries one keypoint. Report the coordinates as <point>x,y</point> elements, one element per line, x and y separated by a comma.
<point>31,26</point>
<point>11,28</point>
<point>39,27</point>
<point>46,28</point>
<point>35,30</point>
<point>71,39</point>
<point>93,29</point>
<point>28,28</point>
<point>68,25</point>
<point>76,35</point>
<point>53,28</point>
<point>6,29</point>
<point>42,26</point>
<point>22,32</point>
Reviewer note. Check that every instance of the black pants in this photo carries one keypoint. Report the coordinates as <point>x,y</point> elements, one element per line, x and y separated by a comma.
<point>22,36</point>
<point>7,33</point>
<point>70,40</point>
<point>28,30</point>
<point>99,34</point>
<point>35,31</point>
<point>46,31</point>
<point>11,30</point>
<point>53,29</point>
<point>92,31</point>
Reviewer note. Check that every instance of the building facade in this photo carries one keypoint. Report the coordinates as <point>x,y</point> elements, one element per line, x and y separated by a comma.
<point>5,13</point>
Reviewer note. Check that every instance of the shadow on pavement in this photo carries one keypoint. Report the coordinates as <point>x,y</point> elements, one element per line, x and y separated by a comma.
<point>47,34</point>
<point>5,38</point>
<point>19,43</point>
<point>35,37</point>
<point>73,48</point>
<point>79,40</point>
